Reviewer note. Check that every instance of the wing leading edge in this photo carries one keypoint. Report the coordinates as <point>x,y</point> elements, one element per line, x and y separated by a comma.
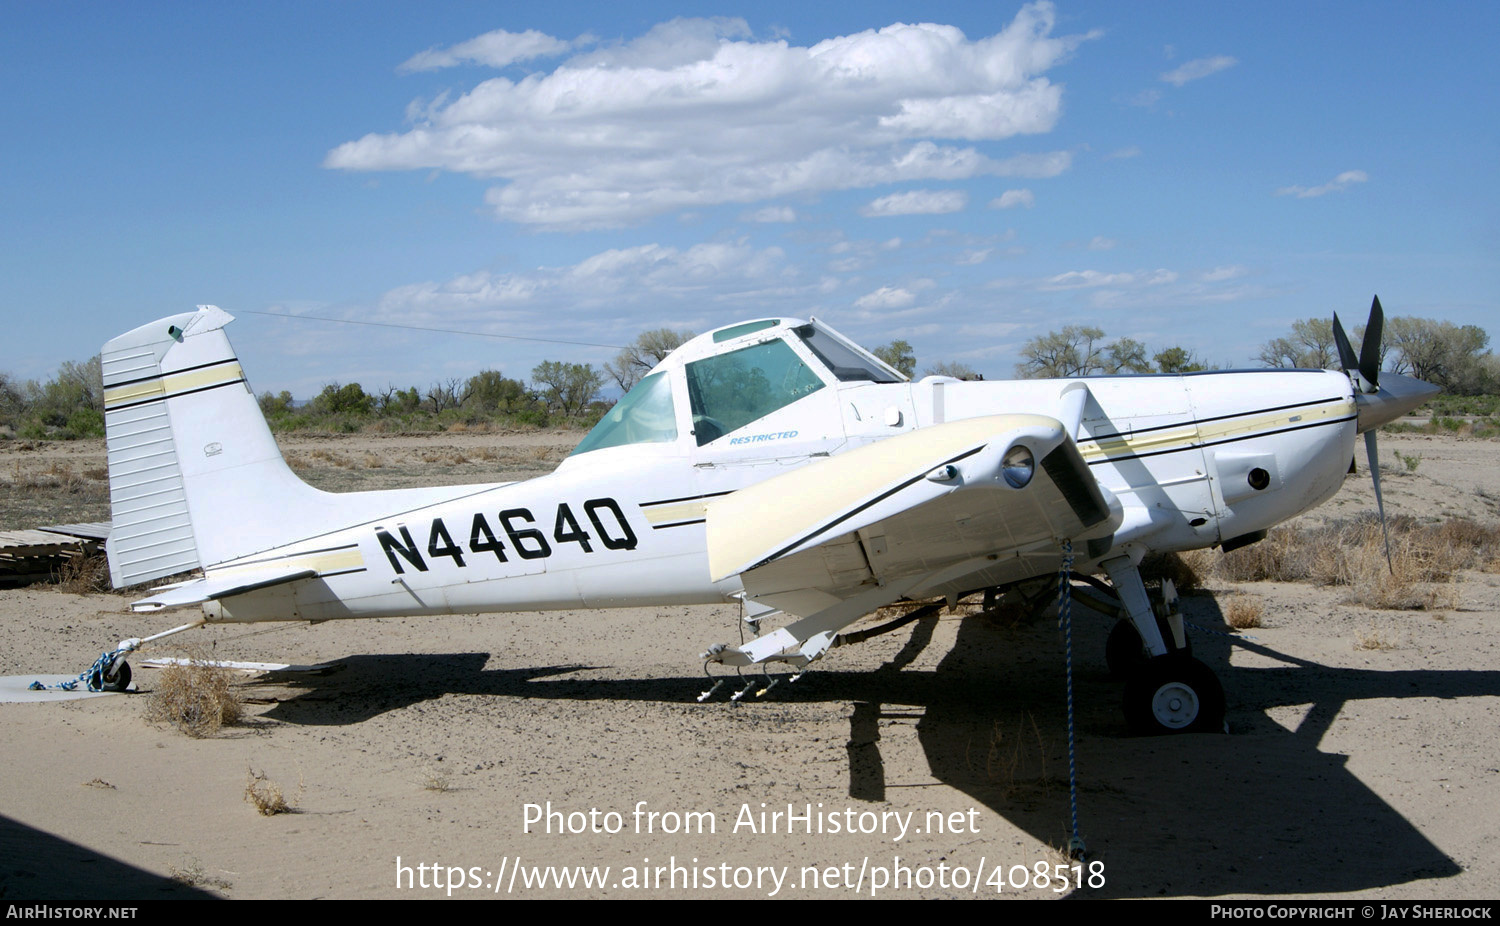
<point>906,516</point>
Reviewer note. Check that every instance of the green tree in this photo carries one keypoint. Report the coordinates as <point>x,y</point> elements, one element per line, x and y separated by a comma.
<point>1310,346</point>
<point>1126,356</point>
<point>1178,360</point>
<point>342,400</point>
<point>1442,353</point>
<point>899,356</point>
<point>567,388</point>
<point>1073,351</point>
<point>649,348</point>
<point>487,392</point>
<point>954,369</point>
<point>274,406</point>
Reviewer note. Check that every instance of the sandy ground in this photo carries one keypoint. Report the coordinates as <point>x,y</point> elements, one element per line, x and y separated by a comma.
<point>1371,773</point>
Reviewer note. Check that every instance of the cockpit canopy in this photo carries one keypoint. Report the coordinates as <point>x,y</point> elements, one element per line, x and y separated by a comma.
<point>733,376</point>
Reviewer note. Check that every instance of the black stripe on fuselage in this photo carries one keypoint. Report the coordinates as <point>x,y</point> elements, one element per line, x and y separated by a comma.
<point>685,498</point>
<point>1197,421</point>
<point>1226,440</point>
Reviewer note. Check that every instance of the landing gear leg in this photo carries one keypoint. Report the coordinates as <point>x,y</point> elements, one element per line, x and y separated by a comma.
<point>1166,689</point>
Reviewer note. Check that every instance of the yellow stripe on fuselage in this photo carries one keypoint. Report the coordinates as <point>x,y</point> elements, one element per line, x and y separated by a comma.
<point>1184,436</point>
<point>667,514</point>
<point>326,561</point>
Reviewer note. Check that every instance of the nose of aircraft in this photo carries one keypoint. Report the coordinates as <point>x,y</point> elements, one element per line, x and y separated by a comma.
<point>1397,395</point>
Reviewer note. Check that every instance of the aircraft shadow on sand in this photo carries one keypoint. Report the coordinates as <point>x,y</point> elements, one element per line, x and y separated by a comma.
<point>1261,811</point>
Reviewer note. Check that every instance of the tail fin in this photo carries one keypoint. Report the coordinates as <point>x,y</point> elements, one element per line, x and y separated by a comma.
<point>192,464</point>
<point>195,477</point>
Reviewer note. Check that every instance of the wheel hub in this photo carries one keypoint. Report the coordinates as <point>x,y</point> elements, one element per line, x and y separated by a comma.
<point>1175,705</point>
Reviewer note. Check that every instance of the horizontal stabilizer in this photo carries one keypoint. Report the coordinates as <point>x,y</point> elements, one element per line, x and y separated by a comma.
<point>212,588</point>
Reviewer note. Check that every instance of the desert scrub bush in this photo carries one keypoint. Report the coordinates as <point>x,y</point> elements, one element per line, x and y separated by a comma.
<point>1184,569</point>
<point>195,698</point>
<point>1283,556</point>
<point>83,573</point>
<point>1409,460</point>
<point>1244,612</point>
<point>266,795</point>
<point>1424,559</point>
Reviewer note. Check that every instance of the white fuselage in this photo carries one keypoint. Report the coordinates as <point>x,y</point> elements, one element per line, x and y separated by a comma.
<point>1195,460</point>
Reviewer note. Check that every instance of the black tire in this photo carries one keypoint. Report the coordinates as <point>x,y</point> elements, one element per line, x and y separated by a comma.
<point>112,678</point>
<point>1174,694</point>
<point>1125,654</point>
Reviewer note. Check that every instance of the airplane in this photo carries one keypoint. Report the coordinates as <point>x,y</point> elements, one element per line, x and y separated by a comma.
<point>772,462</point>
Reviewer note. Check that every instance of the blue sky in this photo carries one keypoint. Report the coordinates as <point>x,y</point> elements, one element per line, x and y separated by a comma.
<point>1190,174</point>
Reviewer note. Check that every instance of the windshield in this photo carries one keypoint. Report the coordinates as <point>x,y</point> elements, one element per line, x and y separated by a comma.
<point>844,361</point>
<point>645,415</point>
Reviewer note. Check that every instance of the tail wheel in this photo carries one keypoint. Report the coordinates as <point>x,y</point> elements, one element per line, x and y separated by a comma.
<point>1174,694</point>
<point>113,677</point>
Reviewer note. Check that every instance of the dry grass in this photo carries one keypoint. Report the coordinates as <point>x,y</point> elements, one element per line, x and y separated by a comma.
<point>191,874</point>
<point>266,795</point>
<point>196,699</point>
<point>1425,560</point>
<point>57,476</point>
<point>1244,612</point>
<point>339,460</point>
<point>437,781</point>
<point>1374,639</point>
<point>1186,570</point>
<point>1015,759</point>
<point>83,574</point>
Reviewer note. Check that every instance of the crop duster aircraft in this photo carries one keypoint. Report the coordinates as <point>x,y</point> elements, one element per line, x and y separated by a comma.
<point>773,461</point>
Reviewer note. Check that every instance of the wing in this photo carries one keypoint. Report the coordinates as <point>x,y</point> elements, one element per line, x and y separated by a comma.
<point>956,506</point>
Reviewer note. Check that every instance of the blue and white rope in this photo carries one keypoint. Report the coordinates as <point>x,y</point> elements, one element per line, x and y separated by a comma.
<point>87,676</point>
<point>1065,621</point>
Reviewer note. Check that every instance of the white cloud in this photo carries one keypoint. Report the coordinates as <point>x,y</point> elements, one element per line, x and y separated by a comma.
<point>771,214</point>
<point>1132,151</point>
<point>917,202</point>
<point>496,49</point>
<point>886,297</point>
<point>666,45</point>
<point>695,113</point>
<point>1101,243</point>
<point>1220,274</point>
<point>1010,199</point>
<point>1084,279</point>
<point>1198,68</point>
<point>607,283</point>
<point>1336,185</point>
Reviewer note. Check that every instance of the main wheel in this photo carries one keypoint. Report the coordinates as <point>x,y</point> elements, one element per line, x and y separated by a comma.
<point>1125,654</point>
<point>1174,694</point>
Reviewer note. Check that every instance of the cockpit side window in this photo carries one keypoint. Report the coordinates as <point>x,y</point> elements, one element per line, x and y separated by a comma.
<point>845,363</point>
<point>645,415</point>
<point>731,390</point>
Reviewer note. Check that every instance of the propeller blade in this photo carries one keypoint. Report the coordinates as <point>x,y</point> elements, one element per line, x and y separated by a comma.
<point>1369,351</point>
<point>1374,458</point>
<point>1347,358</point>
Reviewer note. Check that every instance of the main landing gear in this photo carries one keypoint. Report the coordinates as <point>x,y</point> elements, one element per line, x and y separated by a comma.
<point>1166,689</point>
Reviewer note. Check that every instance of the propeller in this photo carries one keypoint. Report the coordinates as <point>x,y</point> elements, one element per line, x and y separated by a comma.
<point>1364,374</point>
